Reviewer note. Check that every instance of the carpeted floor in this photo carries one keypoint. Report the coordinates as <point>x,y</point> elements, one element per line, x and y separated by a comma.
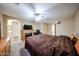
<point>17,48</point>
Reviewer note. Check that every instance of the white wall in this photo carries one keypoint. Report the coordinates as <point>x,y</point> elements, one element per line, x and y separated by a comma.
<point>66,27</point>
<point>43,27</point>
<point>77,22</point>
<point>50,29</point>
<point>34,24</point>
<point>1,20</point>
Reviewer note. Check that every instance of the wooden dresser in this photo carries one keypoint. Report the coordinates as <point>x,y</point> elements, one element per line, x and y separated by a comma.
<point>24,32</point>
<point>4,47</point>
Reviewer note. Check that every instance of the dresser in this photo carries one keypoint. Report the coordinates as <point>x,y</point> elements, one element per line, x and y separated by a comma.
<point>24,32</point>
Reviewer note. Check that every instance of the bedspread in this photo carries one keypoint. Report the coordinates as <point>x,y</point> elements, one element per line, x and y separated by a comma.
<point>48,45</point>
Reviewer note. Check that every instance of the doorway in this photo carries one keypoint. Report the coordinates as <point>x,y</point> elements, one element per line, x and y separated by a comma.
<point>53,29</point>
<point>13,27</point>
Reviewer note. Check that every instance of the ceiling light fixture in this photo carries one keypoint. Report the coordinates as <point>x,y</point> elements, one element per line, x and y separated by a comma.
<point>38,16</point>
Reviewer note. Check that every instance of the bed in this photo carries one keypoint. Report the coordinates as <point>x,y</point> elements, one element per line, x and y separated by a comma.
<point>48,45</point>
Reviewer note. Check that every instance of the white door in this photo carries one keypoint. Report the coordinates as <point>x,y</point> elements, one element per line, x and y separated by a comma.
<point>15,30</point>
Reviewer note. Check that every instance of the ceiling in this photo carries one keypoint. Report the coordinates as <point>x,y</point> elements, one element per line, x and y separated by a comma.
<point>50,11</point>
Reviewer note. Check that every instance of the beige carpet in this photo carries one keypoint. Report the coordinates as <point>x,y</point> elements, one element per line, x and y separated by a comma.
<point>17,48</point>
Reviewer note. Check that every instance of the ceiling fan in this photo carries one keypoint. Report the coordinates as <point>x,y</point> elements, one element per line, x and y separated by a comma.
<point>38,16</point>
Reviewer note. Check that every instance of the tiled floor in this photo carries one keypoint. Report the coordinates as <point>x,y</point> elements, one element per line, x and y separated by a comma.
<point>17,48</point>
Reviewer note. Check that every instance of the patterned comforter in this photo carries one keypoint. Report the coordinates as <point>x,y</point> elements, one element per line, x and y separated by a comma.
<point>48,45</point>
